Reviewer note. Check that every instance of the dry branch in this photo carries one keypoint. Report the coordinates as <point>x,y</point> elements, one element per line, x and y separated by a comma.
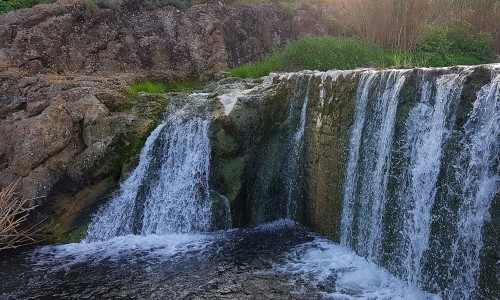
<point>14,211</point>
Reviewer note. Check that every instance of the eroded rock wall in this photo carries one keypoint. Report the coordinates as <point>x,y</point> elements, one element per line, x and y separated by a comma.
<point>69,139</point>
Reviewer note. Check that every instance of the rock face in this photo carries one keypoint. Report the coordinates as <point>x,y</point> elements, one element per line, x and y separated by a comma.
<point>69,139</point>
<point>141,36</point>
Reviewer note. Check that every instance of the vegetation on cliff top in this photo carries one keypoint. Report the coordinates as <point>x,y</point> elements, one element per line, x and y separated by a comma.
<point>443,46</point>
<point>10,5</point>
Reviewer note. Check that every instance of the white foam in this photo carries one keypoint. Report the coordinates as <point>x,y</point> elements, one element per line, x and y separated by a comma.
<point>131,247</point>
<point>348,276</point>
<point>229,99</point>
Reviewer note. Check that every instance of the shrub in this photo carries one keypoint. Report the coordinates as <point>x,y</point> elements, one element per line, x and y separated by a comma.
<point>319,53</point>
<point>454,45</point>
<point>14,210</point>
<point>160,88</point>
<point>324,53</point>
<point>10,5</point>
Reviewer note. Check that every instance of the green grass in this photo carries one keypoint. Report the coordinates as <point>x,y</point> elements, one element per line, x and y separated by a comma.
<point>319,53</point>
<point>147,87</point>
<point>160,88</point>
<point>269,64</point>
<point>443,46</point>
<point>324,53</point>
<point>10,5</point>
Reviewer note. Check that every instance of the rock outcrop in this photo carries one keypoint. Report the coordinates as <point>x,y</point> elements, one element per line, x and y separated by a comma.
<point>110,36</point>
<point>70,138</point>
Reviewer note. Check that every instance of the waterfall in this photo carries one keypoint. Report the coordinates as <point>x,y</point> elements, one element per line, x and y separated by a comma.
<point>168,192</point>
<point>425,133</point>
<point>369,158</point>
<point>293,170</point>
<point>403,155</point>
<point>477,174</point>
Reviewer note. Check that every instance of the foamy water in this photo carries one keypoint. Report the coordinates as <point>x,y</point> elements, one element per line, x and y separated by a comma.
<point>338,273</point>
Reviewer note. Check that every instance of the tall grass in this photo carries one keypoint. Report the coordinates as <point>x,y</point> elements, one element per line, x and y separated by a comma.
<point>319,53</point>
<point>10,5</point>
<point>269,64</point>
<point>146,87</point>
<point>442,46</point>
<point>324,53</point>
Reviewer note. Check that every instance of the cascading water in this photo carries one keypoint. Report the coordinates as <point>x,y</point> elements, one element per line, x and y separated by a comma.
<point>424,134</point>
<point>297,145</point>
<point>419,165</point>
<point>477,175</point>
<point>396,160</point>
<point>168,192</point>
<point>367,174</point>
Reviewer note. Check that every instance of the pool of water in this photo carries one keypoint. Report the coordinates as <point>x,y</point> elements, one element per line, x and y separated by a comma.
<point>280,260</point>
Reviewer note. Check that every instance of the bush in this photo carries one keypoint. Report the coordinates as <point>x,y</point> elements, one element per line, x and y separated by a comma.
<point>269,64</point>
<point>14,210</point>
<point>325,53</point>
<point>319,53</point>
<point>454,45</point>
<point>10,5</point>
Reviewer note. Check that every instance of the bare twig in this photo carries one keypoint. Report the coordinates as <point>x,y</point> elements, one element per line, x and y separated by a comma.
<point>14,211</point>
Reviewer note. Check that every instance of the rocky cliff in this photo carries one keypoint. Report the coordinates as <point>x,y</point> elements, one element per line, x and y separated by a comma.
<point>67,127</point>
<point>112,36</point>
<point>69,138</point>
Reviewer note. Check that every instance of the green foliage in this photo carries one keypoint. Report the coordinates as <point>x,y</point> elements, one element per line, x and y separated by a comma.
<point>324,53</point>
<point>453,45</point>
<point>269,64</point>
<point>146,87</point>
<point>319,53</point>
<point>160,88</point>
<point>10,5</point>
<point>442,46</point>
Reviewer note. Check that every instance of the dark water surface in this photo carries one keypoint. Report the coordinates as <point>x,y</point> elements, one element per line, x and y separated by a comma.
<point>274,261</point>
